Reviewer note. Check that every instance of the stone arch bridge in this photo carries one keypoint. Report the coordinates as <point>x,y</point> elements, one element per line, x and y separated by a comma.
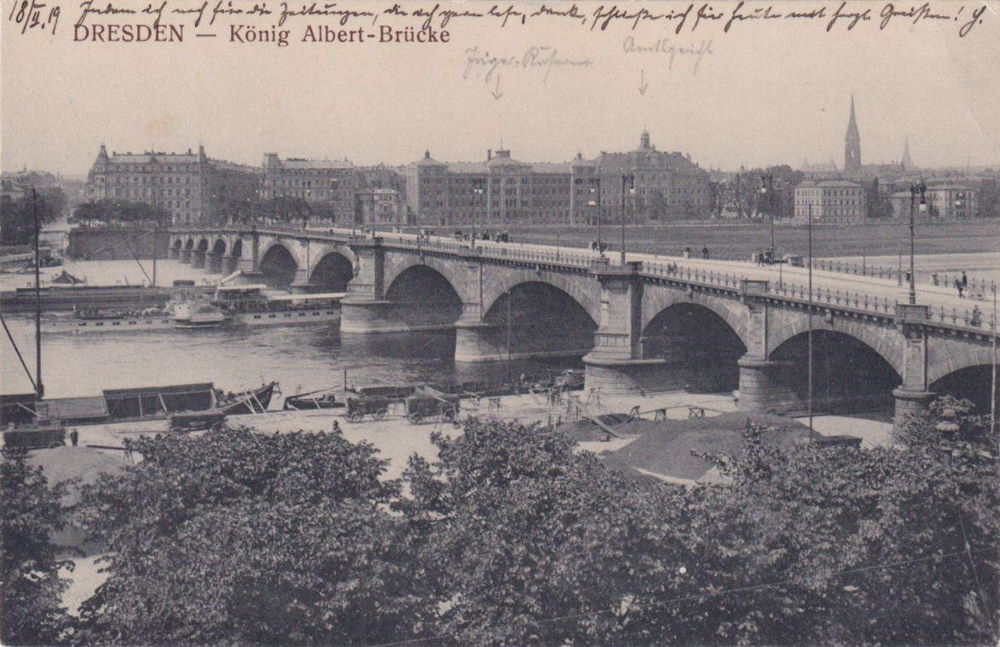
<point>651,323</point>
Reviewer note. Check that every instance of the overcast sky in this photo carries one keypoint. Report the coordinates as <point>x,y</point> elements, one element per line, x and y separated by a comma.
<point>775,93</point>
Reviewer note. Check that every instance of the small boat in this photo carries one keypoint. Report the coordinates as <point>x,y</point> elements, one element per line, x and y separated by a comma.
<point>321,399</point>
<point>256,401</point>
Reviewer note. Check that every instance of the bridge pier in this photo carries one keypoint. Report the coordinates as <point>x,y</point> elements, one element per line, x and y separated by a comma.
<point>762,390</point>
<point>248,265</point>
<point>198,258</point>
<point>213,263</point>
<point>301,284</point>
<point>615,365</point>
<point>913,395</point>
<point>230,264</point>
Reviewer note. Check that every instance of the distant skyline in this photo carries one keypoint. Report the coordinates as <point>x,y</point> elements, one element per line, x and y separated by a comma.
<point>761,98</point>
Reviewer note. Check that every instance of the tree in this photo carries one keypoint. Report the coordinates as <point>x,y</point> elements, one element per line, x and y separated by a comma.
<point>17,219</point>
<point>236,537</point>
<point>120,213</point>
<point>527,542</point>
<point>32,613</point>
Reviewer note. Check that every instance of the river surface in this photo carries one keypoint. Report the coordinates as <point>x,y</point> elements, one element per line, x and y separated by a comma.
<point>301,358</point>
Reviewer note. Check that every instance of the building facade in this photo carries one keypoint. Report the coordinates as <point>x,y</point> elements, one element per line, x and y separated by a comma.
<point>329,183</point>
<point>192,187</point>
<point>379,207</point>
<point>949,201</point>
<point>831,202</point>
<point>641,186</point>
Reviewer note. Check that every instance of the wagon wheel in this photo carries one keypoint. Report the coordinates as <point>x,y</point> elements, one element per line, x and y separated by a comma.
<point>355,416</point>
<point>414,418</point>
<point>379,415</point>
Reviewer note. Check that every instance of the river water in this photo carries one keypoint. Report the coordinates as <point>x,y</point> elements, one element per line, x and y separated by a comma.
<point>301,358</point>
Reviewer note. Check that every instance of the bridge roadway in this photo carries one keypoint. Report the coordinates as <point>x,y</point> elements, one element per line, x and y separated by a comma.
<point>627,317</point>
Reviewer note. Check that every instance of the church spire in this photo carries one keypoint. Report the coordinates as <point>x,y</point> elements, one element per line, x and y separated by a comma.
<point>906,162</point>
<point>852,143</point>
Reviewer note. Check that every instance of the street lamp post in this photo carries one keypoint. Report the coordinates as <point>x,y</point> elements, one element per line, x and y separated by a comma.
<point>628,186</point>
<point>478,191</point>
<point>595,201</point>
<point>915,190</point>
<point>767,190</point>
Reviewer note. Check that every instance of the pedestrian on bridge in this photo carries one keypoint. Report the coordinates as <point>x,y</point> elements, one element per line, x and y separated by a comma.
<point>959,287</point>
<point>704,252</point>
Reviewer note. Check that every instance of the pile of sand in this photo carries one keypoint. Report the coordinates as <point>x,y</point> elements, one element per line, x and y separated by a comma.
<point>665,447</point>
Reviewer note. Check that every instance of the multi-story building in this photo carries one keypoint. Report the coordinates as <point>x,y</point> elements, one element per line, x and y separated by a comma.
<point>947,201</point>
<point>319,182</point>
<point>499,191</point>
<point>831,201</point>
<point>504,191</point>
<point>667,186</point>
<point>191,186</point>
<point>379,207</point>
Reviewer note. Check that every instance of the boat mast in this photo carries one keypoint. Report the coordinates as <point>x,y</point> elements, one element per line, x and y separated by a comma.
<point>39,388</point>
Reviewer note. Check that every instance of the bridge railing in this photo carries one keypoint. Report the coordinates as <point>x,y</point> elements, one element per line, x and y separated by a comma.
<point>683,272</point>
<point>968,317</point>
<point>974,286</point>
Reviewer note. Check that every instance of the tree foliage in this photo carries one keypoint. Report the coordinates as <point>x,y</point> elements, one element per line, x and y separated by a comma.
<point>120,212</point>
<point>17,219</point>
<point>30,512</point>
<point>513,537</point>
<point>242,538</point>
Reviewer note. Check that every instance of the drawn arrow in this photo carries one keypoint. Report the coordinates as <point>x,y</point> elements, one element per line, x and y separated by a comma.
<point>643,86</point>
<point>497,93</point>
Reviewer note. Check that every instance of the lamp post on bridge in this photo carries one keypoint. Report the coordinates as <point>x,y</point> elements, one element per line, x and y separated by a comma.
<point>478,192</point>
<point>915,190</point>
<point>767,190</point>
<point>595,202</point>
<point>628,188</point>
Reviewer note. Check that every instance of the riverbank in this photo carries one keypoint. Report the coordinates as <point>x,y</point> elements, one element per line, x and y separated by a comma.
<point>397,440</point>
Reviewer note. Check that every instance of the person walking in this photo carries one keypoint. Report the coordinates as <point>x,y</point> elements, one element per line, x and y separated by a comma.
<point>704,251</point>
<point>959,287</point>
<point>965,280</point>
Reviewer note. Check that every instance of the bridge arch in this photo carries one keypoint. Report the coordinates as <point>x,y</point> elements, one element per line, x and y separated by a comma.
<point>332,272</point>
<point>189,244</point>
<point>177,244</point>
<point>219,246</point>
<point>202,245</point>
<point>886,342</point>
<point>458,282</point>
<point>425,299</point>
<point>585,292</point>
<point>278,266</point>
<point>699,347</point>
<point>536,319</point>
<point>658,299</point>
<point>972,383</point>
<point>848,373</point>
<point>236,250</point>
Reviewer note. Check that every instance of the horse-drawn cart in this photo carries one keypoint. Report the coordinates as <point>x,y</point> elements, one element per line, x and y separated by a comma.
<point>375,406</point>
<point>428,402</point>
